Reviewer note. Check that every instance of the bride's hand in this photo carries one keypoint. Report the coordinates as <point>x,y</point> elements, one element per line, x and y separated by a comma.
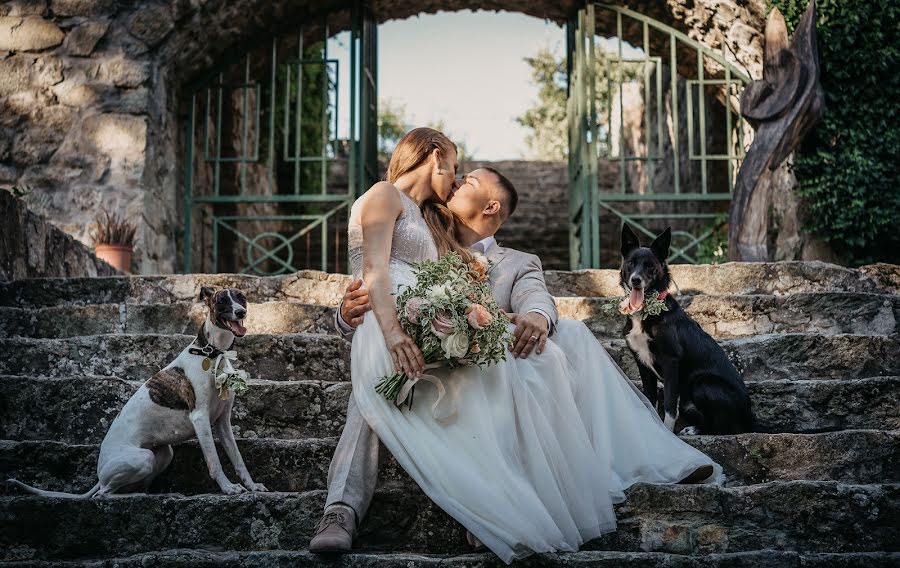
<point>405,354</point>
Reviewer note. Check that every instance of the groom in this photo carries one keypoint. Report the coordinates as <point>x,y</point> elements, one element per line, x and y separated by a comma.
<point>483,201</point>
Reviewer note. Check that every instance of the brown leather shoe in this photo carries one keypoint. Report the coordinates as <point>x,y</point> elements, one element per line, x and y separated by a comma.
<point>701,473</point>
<point>335,531</point>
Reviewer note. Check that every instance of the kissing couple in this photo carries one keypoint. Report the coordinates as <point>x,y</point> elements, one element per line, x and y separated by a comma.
<point>542,444</point>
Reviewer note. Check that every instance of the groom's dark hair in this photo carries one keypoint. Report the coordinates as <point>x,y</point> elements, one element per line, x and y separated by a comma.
<point>512,197</point>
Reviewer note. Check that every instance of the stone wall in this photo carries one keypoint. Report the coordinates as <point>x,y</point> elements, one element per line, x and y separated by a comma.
<point>540,224</point>
<point>31,247</point>
<point>92,92</point>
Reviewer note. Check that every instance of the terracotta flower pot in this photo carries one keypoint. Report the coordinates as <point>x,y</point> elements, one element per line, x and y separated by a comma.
<point>119,256</point>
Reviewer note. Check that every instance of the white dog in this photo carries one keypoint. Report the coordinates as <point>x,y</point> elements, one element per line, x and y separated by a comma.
<point>179,403</point>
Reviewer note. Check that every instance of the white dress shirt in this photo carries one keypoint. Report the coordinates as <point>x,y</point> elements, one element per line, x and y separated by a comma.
<point>482,247</point>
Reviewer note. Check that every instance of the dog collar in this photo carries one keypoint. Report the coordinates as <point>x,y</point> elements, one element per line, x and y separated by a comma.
<point>205,348</point>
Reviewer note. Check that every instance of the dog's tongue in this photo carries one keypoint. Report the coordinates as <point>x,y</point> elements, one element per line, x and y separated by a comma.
<point>238,328</point>
<point>636,299</point>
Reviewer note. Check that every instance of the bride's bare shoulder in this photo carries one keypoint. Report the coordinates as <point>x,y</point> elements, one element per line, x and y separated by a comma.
<point>382,196</point>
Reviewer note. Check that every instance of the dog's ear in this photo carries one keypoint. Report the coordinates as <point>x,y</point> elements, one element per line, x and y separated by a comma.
<point>206,293</point>
<point>660,245</point>
<point>630,241</point>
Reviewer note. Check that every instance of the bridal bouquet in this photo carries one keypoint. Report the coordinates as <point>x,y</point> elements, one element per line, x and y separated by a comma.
<point>451,315</point>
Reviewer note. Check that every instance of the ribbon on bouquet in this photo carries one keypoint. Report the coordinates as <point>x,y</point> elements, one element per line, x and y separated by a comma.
<point>447,412</point>
<point>221,380</point>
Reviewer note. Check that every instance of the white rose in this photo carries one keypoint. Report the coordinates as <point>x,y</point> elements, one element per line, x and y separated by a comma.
<point>439,292</point>
<point>480,259</point>
<point>455,344</point>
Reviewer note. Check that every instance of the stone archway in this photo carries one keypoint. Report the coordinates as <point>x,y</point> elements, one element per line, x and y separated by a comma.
<point>90,93</point>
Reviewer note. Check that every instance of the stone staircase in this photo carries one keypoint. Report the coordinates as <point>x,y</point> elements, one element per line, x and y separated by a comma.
<point>819,346</point>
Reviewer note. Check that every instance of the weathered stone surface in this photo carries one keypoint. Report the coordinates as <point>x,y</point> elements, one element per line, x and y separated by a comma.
<point>87,8</point>
<point>792,356</point>
<point>855,456</point>
<point>721,316</point>
<point>744,315</point>
<point>15,76</point>
<point>299,356</point>
<point>32,247</point>
<point>281,358</point>
<point>80,409</point>
<point>151,24</point>
<point>25,8</point>
<point>592,559</point>
<point>82,40</point>
<point>122,72</point>
<point>740,278</point>
<point>31,33</point>
<point>177,319</point>
<point>676,519</point>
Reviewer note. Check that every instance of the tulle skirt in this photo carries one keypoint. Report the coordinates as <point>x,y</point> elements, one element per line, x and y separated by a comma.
<point>539,449</point>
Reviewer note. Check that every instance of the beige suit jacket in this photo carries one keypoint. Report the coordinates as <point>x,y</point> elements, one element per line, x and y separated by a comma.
<point>517,282</point>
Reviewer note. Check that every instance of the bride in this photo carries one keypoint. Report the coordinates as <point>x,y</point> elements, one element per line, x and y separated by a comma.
<point>539,448</point>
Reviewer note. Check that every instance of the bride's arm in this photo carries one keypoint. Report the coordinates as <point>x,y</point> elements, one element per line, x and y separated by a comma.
<point>378,217</point>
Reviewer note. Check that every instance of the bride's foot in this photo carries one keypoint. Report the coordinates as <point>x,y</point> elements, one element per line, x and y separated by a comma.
<point>701,473</point>
<point>474,542</point>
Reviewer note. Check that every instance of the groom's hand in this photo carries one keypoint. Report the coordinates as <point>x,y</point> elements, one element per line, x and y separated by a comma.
<point>355,304</point>
<point>531,331</point>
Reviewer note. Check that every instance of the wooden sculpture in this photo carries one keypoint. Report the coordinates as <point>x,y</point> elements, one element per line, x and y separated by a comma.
<point>782,107</point>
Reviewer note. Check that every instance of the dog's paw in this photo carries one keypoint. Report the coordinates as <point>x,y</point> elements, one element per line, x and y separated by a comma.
<point>253,486</point>
<point>233,489</point>
<point>670,422</point>
<point>689,431</point>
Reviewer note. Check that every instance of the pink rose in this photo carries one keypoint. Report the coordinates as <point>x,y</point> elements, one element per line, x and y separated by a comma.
<point>478,316</point>
<point>474,348</point>
<point>442,324</point>
<point>413,306</point>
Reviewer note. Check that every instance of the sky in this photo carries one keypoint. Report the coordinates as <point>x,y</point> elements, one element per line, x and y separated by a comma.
<point>465,68</point>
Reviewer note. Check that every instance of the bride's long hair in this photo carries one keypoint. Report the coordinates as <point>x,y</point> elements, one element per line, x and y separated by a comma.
<point>412,150</point>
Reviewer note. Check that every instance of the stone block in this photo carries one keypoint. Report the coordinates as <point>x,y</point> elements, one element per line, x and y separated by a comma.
<point>151,24</point>
<point>15,75</point>
<point>123,139</point>
<point>82,40</point>
<point>85,8</point>
<point>26,8</point>
<point>123,72</point>
<point>31,33</point>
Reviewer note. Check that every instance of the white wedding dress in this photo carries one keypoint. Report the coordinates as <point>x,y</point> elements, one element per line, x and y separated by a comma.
<point>539,448</point>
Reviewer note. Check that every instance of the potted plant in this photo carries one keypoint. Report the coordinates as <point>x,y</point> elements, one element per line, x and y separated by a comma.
<point>114,240</point>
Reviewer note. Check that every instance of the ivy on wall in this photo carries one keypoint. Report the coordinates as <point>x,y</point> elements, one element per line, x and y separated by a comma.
<point>849,166</point>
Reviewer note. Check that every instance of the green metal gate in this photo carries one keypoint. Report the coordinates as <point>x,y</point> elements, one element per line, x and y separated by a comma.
<point>268,184</point>
<point>675,163</point>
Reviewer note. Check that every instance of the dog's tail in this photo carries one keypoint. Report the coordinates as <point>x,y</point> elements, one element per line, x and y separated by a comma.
<point>61,494</point>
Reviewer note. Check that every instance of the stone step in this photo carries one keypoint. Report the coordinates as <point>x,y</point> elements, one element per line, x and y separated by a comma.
<point>312,287</point>
<point>749,315</point>
<point>721,316</point>
<point>169,319</point>
<point>80,409</point>
<point>851,456</point>
<point>303,356</point>
<point>586,559</point>
<point>802,516</point>
<point>741,278</point>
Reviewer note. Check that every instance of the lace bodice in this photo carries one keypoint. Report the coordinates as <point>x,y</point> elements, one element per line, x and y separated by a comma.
<point>412,242</point>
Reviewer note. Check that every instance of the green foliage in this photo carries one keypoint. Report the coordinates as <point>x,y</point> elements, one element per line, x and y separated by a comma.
<point>549,136</point>
<point>548,139</point>
<point>393,124</point>
<point>849,166</point>
<point>714,249</point>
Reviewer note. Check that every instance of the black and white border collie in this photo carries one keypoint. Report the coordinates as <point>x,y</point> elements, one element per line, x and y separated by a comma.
<point>699,383</point>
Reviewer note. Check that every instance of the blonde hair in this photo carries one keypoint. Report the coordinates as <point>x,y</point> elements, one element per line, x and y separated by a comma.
<point>411,152</point>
